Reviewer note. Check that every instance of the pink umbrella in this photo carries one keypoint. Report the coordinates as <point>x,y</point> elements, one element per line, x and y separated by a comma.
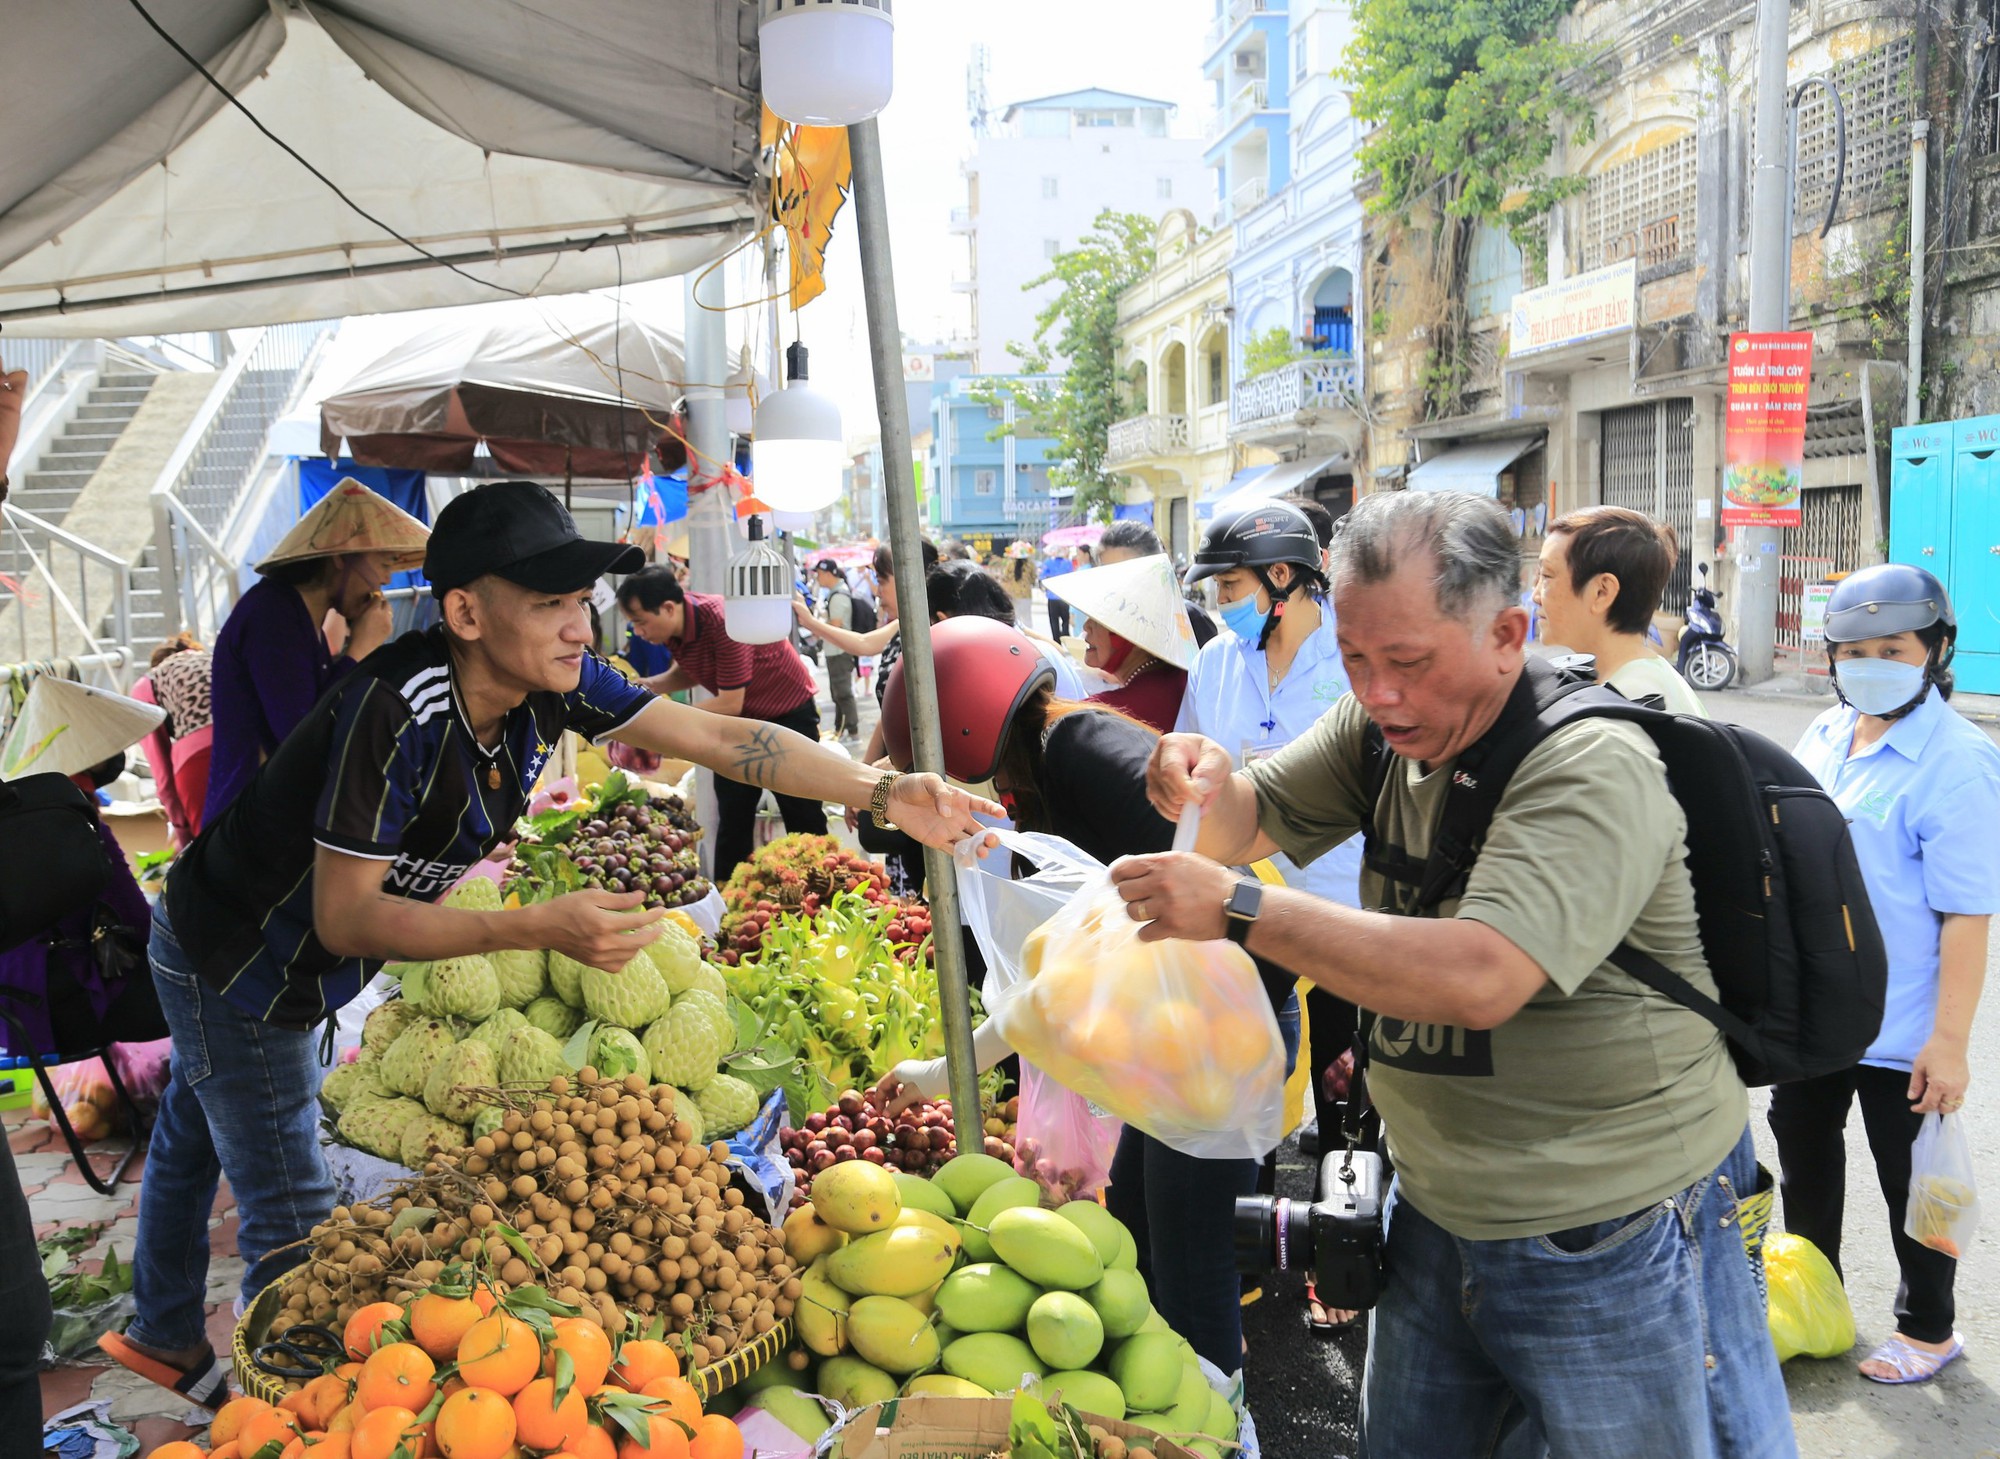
<point>1084,536</point>
<point>850,553</point>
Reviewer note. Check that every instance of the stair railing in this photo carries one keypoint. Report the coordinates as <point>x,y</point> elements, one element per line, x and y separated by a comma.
<point>58,579</point>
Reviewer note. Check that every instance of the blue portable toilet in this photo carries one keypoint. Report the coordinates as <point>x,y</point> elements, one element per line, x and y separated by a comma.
<point>1974,582</point>
<point>1920,497</point>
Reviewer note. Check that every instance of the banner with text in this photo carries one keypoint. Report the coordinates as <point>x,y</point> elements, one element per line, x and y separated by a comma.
<point>1764,429</point>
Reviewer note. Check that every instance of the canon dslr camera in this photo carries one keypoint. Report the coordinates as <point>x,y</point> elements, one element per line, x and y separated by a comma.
<point>1338,1238</point>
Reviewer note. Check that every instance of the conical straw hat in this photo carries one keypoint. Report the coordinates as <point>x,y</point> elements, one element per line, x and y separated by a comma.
<point>1138,600</point>
<point>68,727</point>
<point>351,518</point>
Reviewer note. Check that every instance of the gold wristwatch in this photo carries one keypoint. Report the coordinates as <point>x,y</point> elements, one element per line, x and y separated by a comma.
<point>878,803</point>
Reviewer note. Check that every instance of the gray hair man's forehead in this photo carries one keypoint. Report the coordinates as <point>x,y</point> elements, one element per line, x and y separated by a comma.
<point>1467,539</point>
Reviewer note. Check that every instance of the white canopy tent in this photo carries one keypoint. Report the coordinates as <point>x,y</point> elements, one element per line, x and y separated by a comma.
<point>544,146</point>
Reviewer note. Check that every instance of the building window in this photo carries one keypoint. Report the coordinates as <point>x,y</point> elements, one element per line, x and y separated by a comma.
<point>1875,86</point>
<point>1215,393</point>
<point>1051,247</point>
<point>1300,50</point>
<point>983,482</point>
<point>1642,209</point>
<point>1045,122</point>
<point>1049,187</point>
<point>1163,188</point>
<point>1492,273</point>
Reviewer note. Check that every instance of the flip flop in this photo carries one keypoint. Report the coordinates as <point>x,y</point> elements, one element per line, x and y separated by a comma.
<point>1325,1327</point>
<point>205,1383</point>
<point>1912,1364</point>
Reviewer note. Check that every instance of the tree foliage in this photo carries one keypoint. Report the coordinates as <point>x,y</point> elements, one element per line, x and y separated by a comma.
<point>1079,327</point>
<point>1470,94</point>
<point>1272,349</point>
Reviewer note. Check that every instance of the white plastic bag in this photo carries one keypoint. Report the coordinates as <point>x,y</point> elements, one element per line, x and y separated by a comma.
<point>1943,1208</point>
<point>1003,912</point>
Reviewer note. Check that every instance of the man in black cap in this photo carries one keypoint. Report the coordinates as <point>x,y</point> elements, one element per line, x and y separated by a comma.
<point>838,609</point>
<point>402,778</point>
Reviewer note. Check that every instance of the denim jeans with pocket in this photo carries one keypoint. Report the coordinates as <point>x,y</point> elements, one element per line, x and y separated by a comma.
<point>1638,1338</point>
<point>242,1101</point>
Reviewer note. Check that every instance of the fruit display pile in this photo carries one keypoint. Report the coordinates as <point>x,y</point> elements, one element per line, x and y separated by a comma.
<point>835,988</point>
<point>598,1194</point>
<point>919,1140</point>
<point>964,1285</point>
<point>804,874</point>
<point>616,837</point>
<point>467,1373</point>
<point>435,1062</point>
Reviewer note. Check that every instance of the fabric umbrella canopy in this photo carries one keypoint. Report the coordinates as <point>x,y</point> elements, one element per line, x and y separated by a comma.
<point>1087,535</point>
<point>574,386</point>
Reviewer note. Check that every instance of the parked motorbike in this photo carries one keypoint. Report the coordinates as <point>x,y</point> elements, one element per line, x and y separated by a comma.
<point>1705,661</point>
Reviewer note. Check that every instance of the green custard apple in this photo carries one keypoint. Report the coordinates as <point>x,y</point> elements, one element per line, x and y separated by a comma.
<point>463,987</point>
<point>630,998</point>
<point>683,1045</point>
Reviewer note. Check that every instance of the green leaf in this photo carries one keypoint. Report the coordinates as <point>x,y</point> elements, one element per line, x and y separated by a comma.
<point>518,1244</point>
<point>576,1053</point>
<point>412,1218</point>
<point>630,1412</point>
<point>565,1375</point>
<point>525,1300</point>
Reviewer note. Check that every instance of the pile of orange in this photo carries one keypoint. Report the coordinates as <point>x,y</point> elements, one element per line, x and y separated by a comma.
<point>454,1376</point>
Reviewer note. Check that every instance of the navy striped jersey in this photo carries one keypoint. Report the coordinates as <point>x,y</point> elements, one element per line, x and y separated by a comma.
<point>385,767</point>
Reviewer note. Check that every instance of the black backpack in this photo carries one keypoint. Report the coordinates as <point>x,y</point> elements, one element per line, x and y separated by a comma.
<point>861,614</point>
<point>1786,926</point>
<point>52,864</point>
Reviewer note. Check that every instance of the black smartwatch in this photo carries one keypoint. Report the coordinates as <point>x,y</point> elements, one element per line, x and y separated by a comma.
<point>1239,913</point>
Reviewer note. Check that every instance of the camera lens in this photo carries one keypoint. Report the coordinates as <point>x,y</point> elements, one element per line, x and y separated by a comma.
<point>1272,1234</point>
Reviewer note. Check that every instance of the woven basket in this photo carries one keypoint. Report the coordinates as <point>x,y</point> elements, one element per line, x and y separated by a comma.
<point>256,1323</point>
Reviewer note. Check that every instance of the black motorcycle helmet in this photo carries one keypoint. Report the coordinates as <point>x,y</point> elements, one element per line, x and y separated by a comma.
<point>1888,598</point>
<point>1259,535</point>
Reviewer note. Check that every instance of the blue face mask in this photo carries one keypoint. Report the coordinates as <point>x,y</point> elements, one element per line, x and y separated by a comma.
<point>1243,618</point>
<point>1878,686</point>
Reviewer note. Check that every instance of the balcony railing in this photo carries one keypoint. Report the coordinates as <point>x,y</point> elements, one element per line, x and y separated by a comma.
<point>1317,384</point>
<point>1147,435</point>
<point>961,220</point>
<point>1237,12</point>
<point>1248,195</point>
<point>1247,101</point>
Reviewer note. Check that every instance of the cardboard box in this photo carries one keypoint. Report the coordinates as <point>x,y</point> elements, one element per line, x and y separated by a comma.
<point>956,1428</point>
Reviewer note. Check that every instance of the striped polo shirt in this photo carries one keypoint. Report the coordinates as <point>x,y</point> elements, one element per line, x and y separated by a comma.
<point>384,767</point>
<point>774,679</point>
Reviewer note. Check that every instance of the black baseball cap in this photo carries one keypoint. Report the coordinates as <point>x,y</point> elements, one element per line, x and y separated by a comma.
<point>826,564</point>
<point>517,530</point>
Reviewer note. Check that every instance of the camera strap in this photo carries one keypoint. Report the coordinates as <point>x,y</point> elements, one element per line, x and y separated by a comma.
<point>1353,1120</point>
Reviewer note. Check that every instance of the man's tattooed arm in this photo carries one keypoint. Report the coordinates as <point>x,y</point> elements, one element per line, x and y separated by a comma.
<point>759,755</point>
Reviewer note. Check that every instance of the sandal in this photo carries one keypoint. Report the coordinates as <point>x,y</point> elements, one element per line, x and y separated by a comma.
<point>1320,1318</point>
<point>1912,1364</point>
<point>205,1383</point>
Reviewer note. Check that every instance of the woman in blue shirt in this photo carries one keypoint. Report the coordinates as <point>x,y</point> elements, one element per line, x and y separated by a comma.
<point>1921,789</point>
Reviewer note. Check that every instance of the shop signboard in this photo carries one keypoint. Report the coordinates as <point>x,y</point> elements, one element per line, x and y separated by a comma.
<point>1764,429</point>
<point>1589,306</point>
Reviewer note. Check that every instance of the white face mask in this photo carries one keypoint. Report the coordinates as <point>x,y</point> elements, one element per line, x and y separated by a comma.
<point>1879,686</point>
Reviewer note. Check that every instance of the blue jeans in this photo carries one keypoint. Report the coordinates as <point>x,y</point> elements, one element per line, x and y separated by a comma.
<point>242,1101</point>
<point>1627,1339</point>
<point>1181,1210</point>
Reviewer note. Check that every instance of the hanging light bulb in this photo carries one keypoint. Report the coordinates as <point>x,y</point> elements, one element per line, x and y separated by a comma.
<point>797,452</point>
<point>757,594</point>
<point>827,63</point>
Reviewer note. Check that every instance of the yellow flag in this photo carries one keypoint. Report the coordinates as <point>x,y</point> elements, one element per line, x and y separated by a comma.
<point>811,178</point>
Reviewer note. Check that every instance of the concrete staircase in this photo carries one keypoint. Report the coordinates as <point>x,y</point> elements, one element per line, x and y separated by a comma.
<point>69,463</point>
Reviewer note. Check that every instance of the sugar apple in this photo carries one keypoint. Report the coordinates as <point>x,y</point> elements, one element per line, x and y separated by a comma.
<point>675,954</point>
<point>708,1003</point>
<point>705,976</point>
<point>554,1017</point>
<point>463,987</point>
<point>467,1064</point>
<point>487,1121</point>
<point>727,1104</point>
<point>417,1048</point>
<point>495,1031</point>
<point>426,1134</point>
<point>532,1056</point>
<point>632,997</point>
<point>684,1045</point>
<point>349,1082</point>
<point>376,1125</point>
<point>380,1028</point>
<point>524,976</point>
<point>616,1052</point>
<point>474,894</point>
<point>686,1109</point>
<point>566,978</point>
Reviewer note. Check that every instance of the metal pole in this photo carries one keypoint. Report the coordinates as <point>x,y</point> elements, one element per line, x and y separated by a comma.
<point>899,490</point>
<point>711,527</point>
<point>1770,310</point>
<point>1920,132</point>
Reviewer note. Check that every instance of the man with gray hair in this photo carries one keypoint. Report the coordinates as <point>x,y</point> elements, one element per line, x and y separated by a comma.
<point>1566,1267</point>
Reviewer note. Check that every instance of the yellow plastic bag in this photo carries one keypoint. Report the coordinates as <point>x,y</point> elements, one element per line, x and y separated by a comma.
<point>1808,1306</point>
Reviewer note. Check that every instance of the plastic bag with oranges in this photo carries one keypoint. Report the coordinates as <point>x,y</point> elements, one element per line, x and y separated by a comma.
<point>1177,1038</point>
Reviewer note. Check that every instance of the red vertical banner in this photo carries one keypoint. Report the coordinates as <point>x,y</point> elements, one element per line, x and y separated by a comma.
<point>1764,429</point>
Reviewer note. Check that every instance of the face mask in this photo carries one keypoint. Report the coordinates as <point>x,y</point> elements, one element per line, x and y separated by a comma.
<point>1878,686</point>
<point>1243,618</point>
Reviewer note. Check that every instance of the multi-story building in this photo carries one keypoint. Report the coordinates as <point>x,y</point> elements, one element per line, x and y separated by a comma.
<point>1249,71</point>
<point>1038,179</point>
<point>987,483</point>
<point>1173,329</point>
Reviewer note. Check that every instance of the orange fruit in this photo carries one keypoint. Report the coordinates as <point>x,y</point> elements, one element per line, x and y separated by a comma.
<point>1174,1036</point>
<point>589,1352</point>
<point>680,1397</point>
<point>273,1425</point>
<point>540,1423</point>
<point>180,1449</point>
<point>644,1361</point>
<point>665,1439</point>
<point>324,1397</point>
<point>228,1420</point>
<point>224,1451</point>
<point>716,1437</point>
<point>500,1352</point>
<point>350,1370</point>
<point>592,1443</point>
<point>298,1405</point>
<point>318,1446</point>
<point>363,1333</point>
<point>438,1322</point>
<point>397,1376</point>
<point>383,1431</point>
<point>342,1422</point>
<point>475,1424</point>
<point>484,1300</point>
<point>1238,1042</point>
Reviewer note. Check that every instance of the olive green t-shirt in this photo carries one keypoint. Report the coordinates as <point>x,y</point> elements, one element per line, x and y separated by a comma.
<point>1600,1096</point>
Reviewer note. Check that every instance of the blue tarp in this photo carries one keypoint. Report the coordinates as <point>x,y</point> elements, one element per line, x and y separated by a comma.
<point>662,499</point>
<point>1136,512</point>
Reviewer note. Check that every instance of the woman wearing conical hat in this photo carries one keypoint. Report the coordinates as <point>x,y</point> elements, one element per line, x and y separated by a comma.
<point>272,659</point>
<point>1135,624</point>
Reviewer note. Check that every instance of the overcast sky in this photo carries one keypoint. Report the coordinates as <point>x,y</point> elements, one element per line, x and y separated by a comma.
<point>1151,47</point>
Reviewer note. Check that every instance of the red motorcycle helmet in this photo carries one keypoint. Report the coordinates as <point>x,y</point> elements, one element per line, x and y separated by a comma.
<point>985,672</point>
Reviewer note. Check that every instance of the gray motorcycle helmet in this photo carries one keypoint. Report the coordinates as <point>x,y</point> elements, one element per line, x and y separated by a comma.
<point>1893,597</point>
